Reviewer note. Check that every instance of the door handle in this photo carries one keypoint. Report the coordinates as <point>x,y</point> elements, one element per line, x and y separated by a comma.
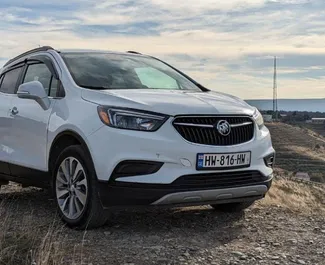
<point>14,111</point>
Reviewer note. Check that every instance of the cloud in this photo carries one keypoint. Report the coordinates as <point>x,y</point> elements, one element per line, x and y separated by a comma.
<point>225,45</point>
<point>198,6</point>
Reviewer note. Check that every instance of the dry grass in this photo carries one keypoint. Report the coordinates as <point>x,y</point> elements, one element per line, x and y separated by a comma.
<point>24,244</point>
<point>294,196</point>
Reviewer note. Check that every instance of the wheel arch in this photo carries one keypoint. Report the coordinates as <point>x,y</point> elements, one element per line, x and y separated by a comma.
<point>62,140</point>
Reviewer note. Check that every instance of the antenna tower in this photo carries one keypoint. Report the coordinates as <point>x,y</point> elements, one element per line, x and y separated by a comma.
<point>275,93</point>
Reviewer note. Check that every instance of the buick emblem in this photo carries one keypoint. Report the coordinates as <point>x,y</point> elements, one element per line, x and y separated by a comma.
<point>224,128</point>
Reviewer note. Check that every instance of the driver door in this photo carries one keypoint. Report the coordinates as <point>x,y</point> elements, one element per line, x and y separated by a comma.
<point>30,123</point>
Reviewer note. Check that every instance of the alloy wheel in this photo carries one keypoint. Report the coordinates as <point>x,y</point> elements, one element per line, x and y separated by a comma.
<point>71,188</point>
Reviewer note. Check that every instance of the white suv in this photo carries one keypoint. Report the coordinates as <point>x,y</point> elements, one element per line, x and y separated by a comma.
<point>107,129</point>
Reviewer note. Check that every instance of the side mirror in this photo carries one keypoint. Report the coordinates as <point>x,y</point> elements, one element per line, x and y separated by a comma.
<point>34,90</point>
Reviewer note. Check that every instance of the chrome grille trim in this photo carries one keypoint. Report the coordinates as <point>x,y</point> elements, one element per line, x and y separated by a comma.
<point>194,125</point>
<point>211,126</point>
<point>241,124</point>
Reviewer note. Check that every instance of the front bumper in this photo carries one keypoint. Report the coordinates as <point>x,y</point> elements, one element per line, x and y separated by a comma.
<point>165,171</point>
<point>109,147</point>
<point>115,194</point>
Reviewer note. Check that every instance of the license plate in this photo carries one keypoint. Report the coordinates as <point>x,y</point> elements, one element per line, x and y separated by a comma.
<point>227,160</point>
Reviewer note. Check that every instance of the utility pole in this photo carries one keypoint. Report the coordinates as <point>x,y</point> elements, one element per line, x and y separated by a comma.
<point>275,93</point>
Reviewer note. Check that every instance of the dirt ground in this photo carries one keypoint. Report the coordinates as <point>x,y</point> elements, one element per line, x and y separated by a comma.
<point>271,232</point>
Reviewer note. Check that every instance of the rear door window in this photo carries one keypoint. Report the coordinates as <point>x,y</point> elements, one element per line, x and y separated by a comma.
<point>9,82</point>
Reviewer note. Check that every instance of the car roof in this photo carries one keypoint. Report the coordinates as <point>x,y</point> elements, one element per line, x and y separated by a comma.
<point>97,51</point>
<point>49,48</point>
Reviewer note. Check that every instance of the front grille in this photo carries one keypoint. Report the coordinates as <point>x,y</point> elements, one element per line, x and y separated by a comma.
<point>219,180</point>
<point>203,130</point>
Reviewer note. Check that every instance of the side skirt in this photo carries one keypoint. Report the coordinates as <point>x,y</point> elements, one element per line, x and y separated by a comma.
<point>27,176</point>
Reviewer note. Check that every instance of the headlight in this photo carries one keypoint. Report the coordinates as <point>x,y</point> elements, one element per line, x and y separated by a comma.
<point>131,119</point>
<point>258,119</point>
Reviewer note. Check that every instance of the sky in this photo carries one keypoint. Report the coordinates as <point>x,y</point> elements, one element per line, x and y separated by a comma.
<point>226,45</point>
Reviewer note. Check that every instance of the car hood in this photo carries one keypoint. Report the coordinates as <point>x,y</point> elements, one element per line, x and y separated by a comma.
<point>171,102</point>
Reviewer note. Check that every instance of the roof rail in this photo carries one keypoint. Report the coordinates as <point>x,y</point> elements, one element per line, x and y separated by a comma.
<point>134,52</point>
<point>40,49</point>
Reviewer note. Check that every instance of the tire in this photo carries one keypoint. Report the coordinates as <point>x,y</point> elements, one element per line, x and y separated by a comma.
<point>77,197</point>
<point>232,207</point>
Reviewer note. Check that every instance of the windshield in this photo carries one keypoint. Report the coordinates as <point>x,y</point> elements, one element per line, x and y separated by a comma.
<point>119,71</point>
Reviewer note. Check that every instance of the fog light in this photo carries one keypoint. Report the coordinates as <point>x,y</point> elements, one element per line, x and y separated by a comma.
<point>269,160</point>
<point>130,168</point>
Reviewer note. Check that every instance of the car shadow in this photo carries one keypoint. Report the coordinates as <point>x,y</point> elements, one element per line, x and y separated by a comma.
<point>153,219</point>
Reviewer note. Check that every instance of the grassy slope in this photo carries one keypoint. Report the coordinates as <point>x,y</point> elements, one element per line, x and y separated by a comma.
<point>297,197</point>
<point>299,150</point>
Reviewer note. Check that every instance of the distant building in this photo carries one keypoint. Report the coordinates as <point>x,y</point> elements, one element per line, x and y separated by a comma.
<point>318,120</point>
<point>309,121</point>
<point>267,118</point>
